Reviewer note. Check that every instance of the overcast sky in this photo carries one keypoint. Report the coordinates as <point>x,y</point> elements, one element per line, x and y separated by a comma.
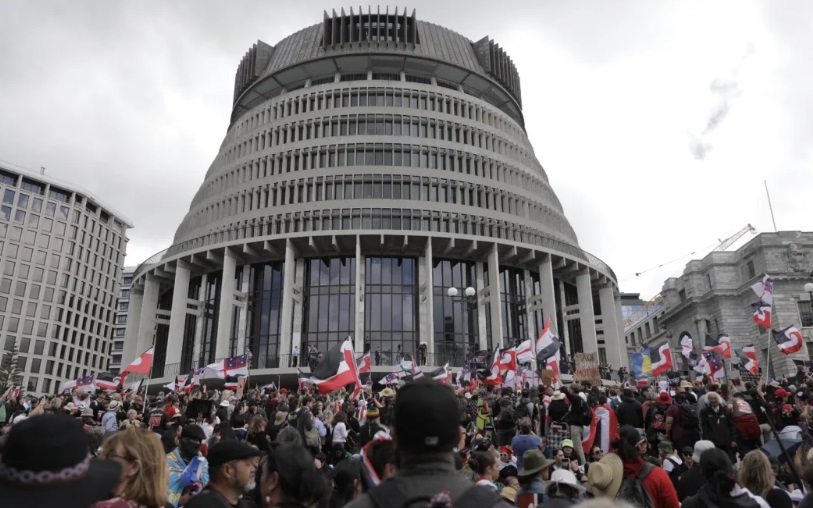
<point>656,121</point>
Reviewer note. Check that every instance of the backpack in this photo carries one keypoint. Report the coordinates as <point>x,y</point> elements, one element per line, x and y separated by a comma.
<point>507,412</point>
<point>688,417</point>
<point>657,419</point>
<point>633,491</point>
<point>390,495</point>
<point>586,413</point>
<point>521,410</point>
<point>312,439</point>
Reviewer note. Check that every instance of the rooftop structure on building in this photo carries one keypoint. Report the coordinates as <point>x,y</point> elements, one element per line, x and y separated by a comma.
<point>372,162</point>
<point>61,251</point>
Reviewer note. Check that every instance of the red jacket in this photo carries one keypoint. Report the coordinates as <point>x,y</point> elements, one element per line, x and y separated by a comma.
<point>657,483</point>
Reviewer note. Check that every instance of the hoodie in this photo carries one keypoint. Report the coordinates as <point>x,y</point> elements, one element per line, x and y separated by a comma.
<point>657,483</point>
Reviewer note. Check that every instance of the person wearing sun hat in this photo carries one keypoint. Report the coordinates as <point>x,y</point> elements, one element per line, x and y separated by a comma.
<point>536,470</point>
<point>605,476</point>
<point>563,489</point>
<point>45,463</point>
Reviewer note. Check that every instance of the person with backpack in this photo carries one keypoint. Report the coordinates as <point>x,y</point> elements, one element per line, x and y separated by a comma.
<point>668,457</point>
<point>721,487</point>
<point>644,485</point>
<point>682,423</point>
<point>426,432</point>
<point>629,411</point>
<point>655,422</point>
<point>505,425</point>
<point>717,424</point>
<point>749,433</point>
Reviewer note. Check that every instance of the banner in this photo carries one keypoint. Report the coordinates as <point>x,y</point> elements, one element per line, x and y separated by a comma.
<point>587,368</point>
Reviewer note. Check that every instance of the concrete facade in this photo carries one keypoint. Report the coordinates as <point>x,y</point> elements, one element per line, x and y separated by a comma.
<point>120,319</point>
<point>61,251</point>
<point>714,296</point>
<point>405,151</point>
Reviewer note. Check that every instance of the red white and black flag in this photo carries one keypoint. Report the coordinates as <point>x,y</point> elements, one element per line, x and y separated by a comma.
<point>789,340</point>
<point>748,359</point>
<point>661,358</point>
<point>365,368</point>
<point>762,314</point>
<point>108,381</point>
<point>492,375</point>
<point>443,374</point>
<point>508,359</point>
<point>337,370</point>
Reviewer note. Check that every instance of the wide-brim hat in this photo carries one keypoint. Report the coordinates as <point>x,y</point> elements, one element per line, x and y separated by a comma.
<point>557,395</point>
<point>114,405</point>
<point>387,392</point>
<point>533,461</point>
<point>45,464</point>
<point>509,493</point>
<point>606,475</point>
<point>564,477</point>
<point>685,384</point>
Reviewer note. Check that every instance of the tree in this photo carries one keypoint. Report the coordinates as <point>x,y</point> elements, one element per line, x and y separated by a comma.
<point>9,370</point>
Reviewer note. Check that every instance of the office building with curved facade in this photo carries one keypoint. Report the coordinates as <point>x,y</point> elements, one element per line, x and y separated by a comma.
<point>61,252</point>
<point>372,162</point>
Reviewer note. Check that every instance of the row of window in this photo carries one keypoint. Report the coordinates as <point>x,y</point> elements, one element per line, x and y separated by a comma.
<point>376,219</point>
<point>363,155</point>
<point>439,101</point>
<point>379,125</point>
<point>346,187</point>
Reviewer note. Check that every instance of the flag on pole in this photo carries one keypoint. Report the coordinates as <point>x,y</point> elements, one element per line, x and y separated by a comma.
<point>524,352</point>
<point>547,344</point>
<point>661,358</point>
<point>714,359</point>
<point>748,359</point>
<point>762,314</point>
<point>492,375</point>
<point>789,340</point>
<point>364,364</point>
<point>142,364</point>
<point>87,383</point>
<point>725,342</point>
<point>337,370</point>
<point>234,366</point>
<point>303,379</point>
<point>764,290</point>
<point>699,364</point>
<point>711,344</point>
<point>108,381</point>
<point>443,374</point>
<point>508,360</point>
<point>686,344</point>
<point>642,364</point>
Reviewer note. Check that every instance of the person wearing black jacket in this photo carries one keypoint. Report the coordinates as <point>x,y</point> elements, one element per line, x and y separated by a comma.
<point>717,424</point>
<point>630,412</point>
<point>574,418</point>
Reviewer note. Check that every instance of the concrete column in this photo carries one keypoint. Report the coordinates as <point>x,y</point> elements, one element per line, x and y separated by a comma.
<point>494,296</point>
<point>288,273</point>
<point>133,321</point>
<point>358,343</point>
<point>177,317</point>
<point>226,305</point>
<point>587,316</point>
<point>149,305</point>
<point>482,330</point>
<point>548,291</point>
<point>199,322</point>
<point>296,328</point>
<point>243,340</point>
<point>613,334</point>
<point>530,329</point>
<point>426,318</point>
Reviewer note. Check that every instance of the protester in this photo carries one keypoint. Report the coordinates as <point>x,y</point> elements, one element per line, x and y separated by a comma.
<point>655,480</point>
<point>145,479</point>
<point>371,427</point>
<point>45,463</point>
<point>486,467</point>
<point>290,478</point>
<point>756,475</point>
<point>188,469</point>
<point>535,472</point>
<point>524,440</point>
<point>717,424</point>
<point>563,489</point>
<point>721,488</point>
<point>630,411</point>
<point>691,481</point>
<point>232,466</point>
<point>426,432</point>
<point>606,475</point>
<point>668,458</point>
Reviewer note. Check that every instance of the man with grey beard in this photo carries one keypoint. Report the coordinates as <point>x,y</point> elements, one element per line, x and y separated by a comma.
<point>232,468</point>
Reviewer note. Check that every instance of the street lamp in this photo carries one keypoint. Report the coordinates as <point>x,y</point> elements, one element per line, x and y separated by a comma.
<point>469,292</point>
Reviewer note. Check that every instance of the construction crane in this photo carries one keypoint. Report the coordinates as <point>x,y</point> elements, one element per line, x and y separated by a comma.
<point>728,242</point>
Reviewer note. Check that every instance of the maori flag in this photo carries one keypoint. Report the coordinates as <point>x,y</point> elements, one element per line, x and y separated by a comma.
<point>764,290</point>
<point>748,359</point>
<point>789,340</point>
<point>337,370</point>
<point>686,344</point>
<point>762,314</point>
<point>661,358</point>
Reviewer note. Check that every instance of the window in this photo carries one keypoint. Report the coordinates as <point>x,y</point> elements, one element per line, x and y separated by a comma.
<point>750,270</point>
<point>455,319</point>
<point>682,294</point>
<point>330,307</point>
<point>806,313</point>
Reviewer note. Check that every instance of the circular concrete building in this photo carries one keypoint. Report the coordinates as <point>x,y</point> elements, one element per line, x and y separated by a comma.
<point>372,162</point>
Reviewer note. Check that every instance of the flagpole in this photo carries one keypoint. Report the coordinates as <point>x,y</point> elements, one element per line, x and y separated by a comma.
<point>149,376</point>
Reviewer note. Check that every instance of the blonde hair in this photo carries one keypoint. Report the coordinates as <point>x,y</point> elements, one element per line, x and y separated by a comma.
<point>151,484</point>
<point>756,474</point>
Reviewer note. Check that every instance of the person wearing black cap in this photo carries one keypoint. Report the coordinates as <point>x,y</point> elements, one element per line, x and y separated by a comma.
<point>188,469</point>
<point>425,430</point>
<point>232,466</point>
<point>45,463</point>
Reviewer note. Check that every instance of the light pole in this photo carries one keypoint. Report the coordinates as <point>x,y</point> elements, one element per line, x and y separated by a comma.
<point>469,298</point>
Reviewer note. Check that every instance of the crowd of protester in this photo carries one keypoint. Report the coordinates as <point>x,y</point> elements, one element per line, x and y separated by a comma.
<point>697,444</point>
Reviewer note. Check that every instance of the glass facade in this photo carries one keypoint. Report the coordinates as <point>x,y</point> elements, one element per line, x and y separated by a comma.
<point>390,302</point>
<point>264,309</point>
<point>211,309</point>
<point>455,319</point>
<point>512,300</point>
<point>189,327</point>
<point>329,311</point>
